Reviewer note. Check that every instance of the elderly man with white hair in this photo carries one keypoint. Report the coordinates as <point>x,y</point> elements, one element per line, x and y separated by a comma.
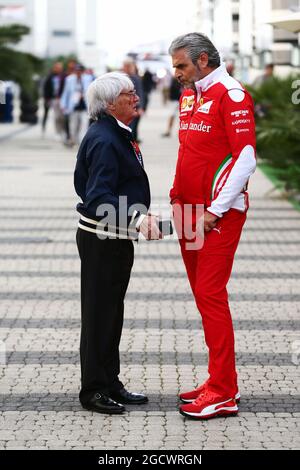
<point>113,186</point>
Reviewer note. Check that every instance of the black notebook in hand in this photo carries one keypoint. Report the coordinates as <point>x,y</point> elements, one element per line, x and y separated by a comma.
<point>165,227</point>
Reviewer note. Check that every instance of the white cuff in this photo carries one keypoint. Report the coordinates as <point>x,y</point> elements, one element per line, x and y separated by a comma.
<point>140,220</point>
<point>213,212</point>
<point>236,181</point>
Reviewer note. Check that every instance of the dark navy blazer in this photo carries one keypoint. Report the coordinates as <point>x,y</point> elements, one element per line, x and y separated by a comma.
<point>109,166</point>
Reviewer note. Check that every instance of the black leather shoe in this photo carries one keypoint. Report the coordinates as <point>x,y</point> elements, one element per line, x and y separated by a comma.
<point>103,404</point>
<point>128,398</point>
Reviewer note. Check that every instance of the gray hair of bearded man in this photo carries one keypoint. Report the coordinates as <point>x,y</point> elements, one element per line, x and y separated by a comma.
<point>195,44</point>
<point>104,90</point>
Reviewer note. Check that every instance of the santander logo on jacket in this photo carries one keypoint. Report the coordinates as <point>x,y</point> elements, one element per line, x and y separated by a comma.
<point>217,144</point>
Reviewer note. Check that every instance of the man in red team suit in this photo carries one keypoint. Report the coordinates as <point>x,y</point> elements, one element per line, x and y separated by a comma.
<point>215,160</point>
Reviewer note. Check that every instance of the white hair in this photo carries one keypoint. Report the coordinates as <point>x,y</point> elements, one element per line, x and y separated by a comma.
<point>104,90</point>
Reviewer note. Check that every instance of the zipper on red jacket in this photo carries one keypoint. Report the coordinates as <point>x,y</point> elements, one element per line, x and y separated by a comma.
<point>184,145</point>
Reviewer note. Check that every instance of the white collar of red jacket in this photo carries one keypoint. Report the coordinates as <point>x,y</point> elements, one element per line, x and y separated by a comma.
<point>212,78</point>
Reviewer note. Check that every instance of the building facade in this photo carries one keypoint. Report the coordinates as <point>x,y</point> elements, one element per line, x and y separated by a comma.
<point>240,30</point>
<point>285,49</point>
<point>58,28</point>
<point>31,13</point>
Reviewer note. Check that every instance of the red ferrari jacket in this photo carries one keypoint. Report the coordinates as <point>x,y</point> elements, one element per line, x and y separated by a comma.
<point>217,144</point>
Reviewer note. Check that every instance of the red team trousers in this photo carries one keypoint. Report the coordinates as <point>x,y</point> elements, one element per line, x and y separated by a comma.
<point>208,270</point>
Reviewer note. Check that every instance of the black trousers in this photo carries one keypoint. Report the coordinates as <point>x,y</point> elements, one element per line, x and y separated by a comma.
<point>105,273</point>
<point>47,105</point>
<point>67,126</point>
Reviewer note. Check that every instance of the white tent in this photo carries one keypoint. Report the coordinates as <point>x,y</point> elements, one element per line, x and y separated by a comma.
<point>289,22</point>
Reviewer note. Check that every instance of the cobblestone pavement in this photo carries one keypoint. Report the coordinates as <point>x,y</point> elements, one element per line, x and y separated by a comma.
<point>163,349</point>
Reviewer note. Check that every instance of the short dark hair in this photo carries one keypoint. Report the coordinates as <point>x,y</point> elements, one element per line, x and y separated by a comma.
<point>195,44</point>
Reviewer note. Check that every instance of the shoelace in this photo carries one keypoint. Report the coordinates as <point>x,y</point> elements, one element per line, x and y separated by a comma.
<point>203,386</point>
<point>205,395</point>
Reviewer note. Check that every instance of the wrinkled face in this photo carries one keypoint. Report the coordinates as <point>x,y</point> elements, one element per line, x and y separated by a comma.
<point>186,72</point>
<point>125,106</point>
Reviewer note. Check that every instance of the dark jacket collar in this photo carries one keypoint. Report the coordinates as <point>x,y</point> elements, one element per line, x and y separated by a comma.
<point>112,120</point>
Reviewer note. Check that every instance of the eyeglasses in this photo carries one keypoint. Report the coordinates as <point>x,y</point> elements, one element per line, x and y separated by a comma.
<point>131,93</point>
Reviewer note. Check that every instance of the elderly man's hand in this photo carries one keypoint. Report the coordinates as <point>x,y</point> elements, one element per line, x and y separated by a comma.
<point>210,221</point>
<point>149,228</point>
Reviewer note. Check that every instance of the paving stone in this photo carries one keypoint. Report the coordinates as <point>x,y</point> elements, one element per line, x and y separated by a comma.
<point>163,347</point>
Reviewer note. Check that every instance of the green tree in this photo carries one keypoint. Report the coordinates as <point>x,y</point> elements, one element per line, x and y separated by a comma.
<point>278,129</point>
<point>14,65</point>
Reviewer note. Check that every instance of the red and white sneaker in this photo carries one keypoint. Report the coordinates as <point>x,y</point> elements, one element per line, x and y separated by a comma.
<point>209,405</point>
<point>189,397</point>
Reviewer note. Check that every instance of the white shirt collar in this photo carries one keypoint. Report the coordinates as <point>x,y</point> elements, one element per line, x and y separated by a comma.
<point>211,78</point>
<point>121,124</point>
